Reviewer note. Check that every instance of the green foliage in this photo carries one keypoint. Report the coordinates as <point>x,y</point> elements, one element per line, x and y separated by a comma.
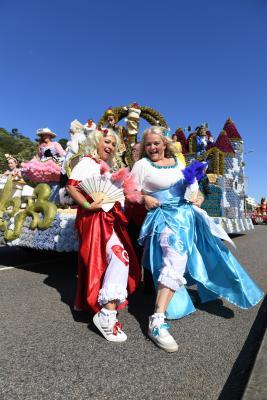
<point>17,145</point>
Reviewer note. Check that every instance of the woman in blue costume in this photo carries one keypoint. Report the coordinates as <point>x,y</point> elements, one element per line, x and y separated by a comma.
<point>181,243</point>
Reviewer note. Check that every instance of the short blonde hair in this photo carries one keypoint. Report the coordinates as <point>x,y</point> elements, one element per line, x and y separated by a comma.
<point>89,147</point>
<point>157,130</point>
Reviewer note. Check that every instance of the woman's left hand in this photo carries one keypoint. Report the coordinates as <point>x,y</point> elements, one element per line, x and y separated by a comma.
<point>150,202</point>
<point>199,200</point>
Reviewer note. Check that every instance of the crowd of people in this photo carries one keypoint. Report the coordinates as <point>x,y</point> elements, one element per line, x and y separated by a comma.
<point>178,242</point>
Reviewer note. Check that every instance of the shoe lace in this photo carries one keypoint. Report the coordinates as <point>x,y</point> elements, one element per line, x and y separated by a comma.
<point>155,330</point>
<point>116,328</point>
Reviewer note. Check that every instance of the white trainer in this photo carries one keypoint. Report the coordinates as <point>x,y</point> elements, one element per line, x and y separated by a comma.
<point>110,328</point>
<point>161,337</point>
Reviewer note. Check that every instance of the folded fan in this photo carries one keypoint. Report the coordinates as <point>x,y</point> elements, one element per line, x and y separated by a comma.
<point>100,187</point>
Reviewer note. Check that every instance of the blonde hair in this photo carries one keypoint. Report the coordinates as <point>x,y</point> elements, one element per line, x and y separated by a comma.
<point>10,157</point>
<point>89,147</point>
<point>157,130</point>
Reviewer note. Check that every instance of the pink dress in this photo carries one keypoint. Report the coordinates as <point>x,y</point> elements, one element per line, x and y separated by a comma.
<point>48,167</point>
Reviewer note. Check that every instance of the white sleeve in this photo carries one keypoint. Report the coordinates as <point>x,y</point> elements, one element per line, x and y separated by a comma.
<point>84,169</point>
<point>138,172</point>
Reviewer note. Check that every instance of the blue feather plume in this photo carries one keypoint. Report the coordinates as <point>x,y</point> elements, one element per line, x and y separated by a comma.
<point>196,170</point>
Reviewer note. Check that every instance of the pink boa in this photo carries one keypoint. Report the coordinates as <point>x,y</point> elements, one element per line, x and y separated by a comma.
<point>36,171</point>
<point>104,167</point>
<point>126,179</point>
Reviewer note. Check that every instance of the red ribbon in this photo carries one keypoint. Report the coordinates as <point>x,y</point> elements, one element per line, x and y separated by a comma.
<point>116,328</point>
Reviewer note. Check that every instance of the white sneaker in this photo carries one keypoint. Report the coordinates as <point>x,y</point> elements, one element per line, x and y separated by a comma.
<point>161,337</point>
<point>111,329</point>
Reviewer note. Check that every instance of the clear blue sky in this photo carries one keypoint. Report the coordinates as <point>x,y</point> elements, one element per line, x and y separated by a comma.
<point>194,61</point>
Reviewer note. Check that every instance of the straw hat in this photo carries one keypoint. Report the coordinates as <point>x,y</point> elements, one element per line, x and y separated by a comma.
<point>45,131</point>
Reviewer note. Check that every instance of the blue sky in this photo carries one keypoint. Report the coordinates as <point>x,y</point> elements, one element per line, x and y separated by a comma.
<point>194,61</point>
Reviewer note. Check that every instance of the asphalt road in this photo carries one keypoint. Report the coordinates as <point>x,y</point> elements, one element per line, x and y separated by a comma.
<point>49,351</point>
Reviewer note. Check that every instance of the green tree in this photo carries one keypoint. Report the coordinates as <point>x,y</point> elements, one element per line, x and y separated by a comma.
<point>16,144</point>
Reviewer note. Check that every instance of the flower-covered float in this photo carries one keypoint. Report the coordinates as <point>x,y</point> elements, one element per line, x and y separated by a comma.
<point>46,224</point>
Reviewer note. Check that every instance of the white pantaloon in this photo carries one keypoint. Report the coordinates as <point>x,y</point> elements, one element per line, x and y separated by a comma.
<point>116,277</point>
<point>174,259</point>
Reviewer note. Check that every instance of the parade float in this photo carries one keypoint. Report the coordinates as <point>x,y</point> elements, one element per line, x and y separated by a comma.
<point>48,225</point>
<point>224,189</point>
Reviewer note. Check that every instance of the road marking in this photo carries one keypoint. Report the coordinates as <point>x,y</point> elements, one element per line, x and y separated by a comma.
<point>30,264</point>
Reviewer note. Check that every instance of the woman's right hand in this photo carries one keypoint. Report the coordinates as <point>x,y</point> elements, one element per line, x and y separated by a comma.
<point>96,205</point>
<point>150,202</point>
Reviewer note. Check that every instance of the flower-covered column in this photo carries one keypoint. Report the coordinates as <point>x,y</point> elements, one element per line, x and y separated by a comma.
<point>133,119</point>
<point>133,122</point>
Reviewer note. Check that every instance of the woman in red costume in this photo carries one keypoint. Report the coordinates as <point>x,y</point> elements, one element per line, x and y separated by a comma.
<point>107,265</point>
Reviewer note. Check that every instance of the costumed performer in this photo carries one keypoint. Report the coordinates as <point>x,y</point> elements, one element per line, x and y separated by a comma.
<point>78,135</point>
<point>202,140</point>
<point>182,242</point>
<point>111,122</point>
<point>46,165</point>
<point>47,148</point>
<point>13,167</point>
<point>107,265</point>
<point>15,172</point>
<point>177,149</point>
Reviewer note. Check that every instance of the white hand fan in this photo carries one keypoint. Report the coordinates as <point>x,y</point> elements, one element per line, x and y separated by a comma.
<point>100,187</point>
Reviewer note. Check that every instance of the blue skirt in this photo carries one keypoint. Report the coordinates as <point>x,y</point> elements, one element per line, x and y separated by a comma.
<point>210,265</point>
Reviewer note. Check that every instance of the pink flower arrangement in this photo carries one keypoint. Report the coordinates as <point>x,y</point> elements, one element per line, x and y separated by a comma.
<point>36,171</point>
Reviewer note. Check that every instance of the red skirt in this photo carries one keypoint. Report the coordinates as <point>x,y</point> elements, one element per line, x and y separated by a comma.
<point>95,229</point>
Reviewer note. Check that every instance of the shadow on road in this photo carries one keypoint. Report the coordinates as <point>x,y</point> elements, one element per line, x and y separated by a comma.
<point>239,375</point>
<point>141,305</point>
<point>60,269</point>
<point>215,307</point>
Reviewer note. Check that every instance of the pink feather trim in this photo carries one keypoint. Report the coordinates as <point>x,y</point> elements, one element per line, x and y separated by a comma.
<point>104,167</point>
<point>127,181</point>
<point>120,175</point>
<point>135,197</point>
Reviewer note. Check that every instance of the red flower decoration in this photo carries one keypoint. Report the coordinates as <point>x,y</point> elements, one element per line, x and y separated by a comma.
<point>103,131</point>
<point>135,105</point>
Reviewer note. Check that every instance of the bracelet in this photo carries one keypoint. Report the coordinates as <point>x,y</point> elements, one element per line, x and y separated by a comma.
<point>86,205</point>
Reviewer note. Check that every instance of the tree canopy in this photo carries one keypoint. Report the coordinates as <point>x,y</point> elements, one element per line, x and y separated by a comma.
<point>17,145</point>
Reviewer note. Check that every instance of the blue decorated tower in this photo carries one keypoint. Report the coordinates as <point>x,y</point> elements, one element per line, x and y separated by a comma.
<point>224,195</point>
<point>234,173</point>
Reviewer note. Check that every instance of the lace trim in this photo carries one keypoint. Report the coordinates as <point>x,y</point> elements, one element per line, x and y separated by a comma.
<point>112,292</point>
<point>171,278</point>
